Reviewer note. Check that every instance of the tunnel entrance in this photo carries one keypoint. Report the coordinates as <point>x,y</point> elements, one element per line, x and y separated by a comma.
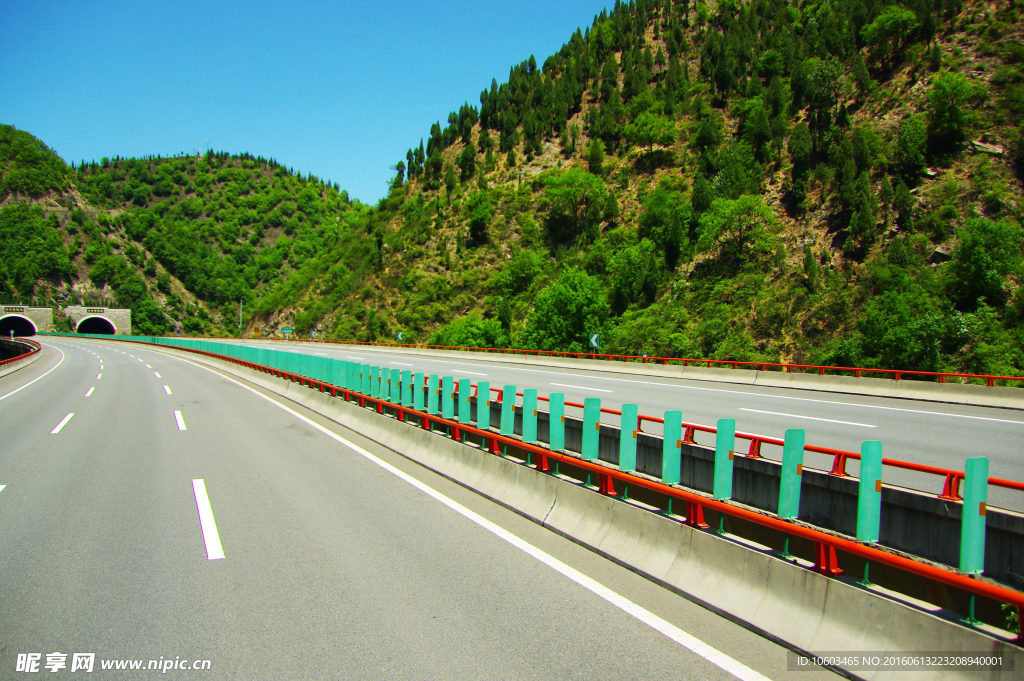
<point>21,326</point>
<point>97,325</point>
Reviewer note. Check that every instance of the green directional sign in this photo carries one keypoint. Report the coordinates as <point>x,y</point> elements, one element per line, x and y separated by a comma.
<point>595,340</point>
<point>287,329</point>
<point>401,336</point>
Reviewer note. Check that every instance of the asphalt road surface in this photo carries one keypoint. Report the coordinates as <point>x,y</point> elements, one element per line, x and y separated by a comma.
<point>152,509</point>
<point>931,433</point>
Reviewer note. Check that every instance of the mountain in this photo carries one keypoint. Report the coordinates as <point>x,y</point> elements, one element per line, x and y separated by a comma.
<point>824,182</point>
<point>181,241</point>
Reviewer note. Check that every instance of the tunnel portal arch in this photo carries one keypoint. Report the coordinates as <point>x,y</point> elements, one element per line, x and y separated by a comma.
<point>19,324</point>
<point>97,325</point>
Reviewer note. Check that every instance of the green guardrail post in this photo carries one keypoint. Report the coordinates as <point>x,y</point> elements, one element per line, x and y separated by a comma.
<point>433,390</point>
<point>792,474</point>
<point>407,388</point>
<point>447,398</point>
<point>869,496</point>
<point>483,405</point>
<point>591,427</point>
<point>375,382</point>
<point>508,410</point>
<point>530,415</point>
<point>671,456</point>
<point>465,392</point>
<point>725,445</point>
<point>365,379</point>
<point>556,422</point>
<point>627,437</point>
<point>975,512</point>
<point>417,391</point>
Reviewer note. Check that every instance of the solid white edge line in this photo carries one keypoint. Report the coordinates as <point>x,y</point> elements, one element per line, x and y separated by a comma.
<point>90,391</point>
<point>580,387</point>
<point>809,418</point>
<point>471,373</point>
<point>63,423</point>
<point>180,420</point>
<point>167,390</point>
<point>39,377</point>
<point>691,643</point>
<point>211,537</point>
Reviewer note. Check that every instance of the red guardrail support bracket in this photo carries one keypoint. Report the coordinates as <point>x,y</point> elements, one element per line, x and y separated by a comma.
<point>695,516</point>
<point>542,463</point>
<point>688,436</point>
<point>839,466</point>
<point>951,488</point>
<point>606,484</point>
<point>755,449</point>
<point>825,560</point>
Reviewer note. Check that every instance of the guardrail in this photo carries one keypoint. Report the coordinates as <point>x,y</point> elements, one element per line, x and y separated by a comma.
<point>784,367</point>
<point>826,545</point>
<point>952,479</point>
<point>35,347</point>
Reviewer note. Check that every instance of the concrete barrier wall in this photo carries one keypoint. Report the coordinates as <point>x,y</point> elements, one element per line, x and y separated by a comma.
<point>18,363</point>
<point>913,522</point>
<point>748,584</point>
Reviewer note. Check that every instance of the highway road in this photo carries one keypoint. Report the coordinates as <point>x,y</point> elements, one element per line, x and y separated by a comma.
<point>153,509</point>
<point>923,432</point>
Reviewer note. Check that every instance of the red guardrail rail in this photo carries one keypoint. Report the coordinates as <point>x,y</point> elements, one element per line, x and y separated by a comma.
<point>825,544</point>
<point>36,348</point>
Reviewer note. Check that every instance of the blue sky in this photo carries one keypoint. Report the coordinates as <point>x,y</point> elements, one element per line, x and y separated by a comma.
<point>338,89</point>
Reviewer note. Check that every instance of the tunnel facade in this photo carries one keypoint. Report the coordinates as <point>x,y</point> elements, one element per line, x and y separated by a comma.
<point>16,325</point>
<point>96,325</point>
<point>24,320</point>
<point>100,320</point>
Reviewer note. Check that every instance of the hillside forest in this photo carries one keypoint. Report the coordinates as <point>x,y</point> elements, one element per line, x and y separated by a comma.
<point>818,182</point>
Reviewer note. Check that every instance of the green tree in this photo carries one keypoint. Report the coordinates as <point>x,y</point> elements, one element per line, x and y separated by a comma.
<point>479,210</point>
<point>566,313</point>
<point>571,193</point>
<point>664,221</point>
<point>449,181</point>
<point>649,129</point>
<point>738,171</point>
<point>987,260</point>
<point>889,33</point>
<point>911,145</point>
<point>520,272</point>
<point>734,229</point>
<point>467,162</point>
<point>947,118</point>
<point>635,274</point>
<point>595,156</point>
<point>471,331</point>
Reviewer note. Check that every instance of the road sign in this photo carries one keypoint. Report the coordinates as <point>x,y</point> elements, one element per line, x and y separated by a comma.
<point>401,336</point>
<point>287,329</point>
<point>595,340</point>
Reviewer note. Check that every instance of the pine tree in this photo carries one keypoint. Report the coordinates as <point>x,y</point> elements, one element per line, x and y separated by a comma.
<point>885,196</point>
<point>595,157</point>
